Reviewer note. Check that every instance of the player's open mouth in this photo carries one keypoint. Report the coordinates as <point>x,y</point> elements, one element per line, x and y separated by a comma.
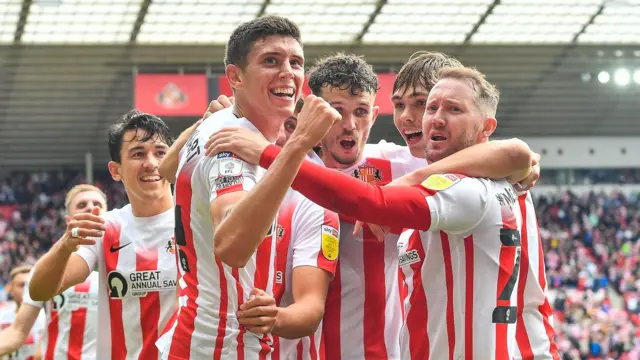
<point>347,143</point>
<point>412,136</point>
<point>285,92</point>
<point>438,138</point>
<point>151,179</point>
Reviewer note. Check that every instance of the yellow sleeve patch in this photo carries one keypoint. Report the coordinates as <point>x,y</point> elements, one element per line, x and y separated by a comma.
<point>440,182</point>
<point>330,242</point>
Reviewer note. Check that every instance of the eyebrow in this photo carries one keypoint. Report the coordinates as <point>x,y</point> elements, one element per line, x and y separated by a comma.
<point>413,94</point>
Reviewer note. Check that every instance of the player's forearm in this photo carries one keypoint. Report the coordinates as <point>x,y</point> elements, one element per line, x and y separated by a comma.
<point>298,320</point>
<point>243,229</point>
<point>497,159</point>
<point>394,206</point>
<point>11,339</point>
<point>169,164</point>
<point>48,274</point>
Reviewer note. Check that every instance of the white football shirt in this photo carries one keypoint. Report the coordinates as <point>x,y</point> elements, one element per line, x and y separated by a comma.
<point>28,349</point>
<point>136,261</point>
<point>210,291</point>
<point>72,321</point>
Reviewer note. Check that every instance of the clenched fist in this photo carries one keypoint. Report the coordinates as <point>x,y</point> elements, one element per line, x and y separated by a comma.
<point>314,121</point>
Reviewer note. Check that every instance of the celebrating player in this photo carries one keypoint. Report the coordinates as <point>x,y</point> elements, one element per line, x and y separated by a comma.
<point>224,207</point>
<point>131,247</point>
<point>26,347</point>
<point>72,317</point>
<point>460,217</point>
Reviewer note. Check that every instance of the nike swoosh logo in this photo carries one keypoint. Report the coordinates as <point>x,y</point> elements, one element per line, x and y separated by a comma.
<point>112,249</point>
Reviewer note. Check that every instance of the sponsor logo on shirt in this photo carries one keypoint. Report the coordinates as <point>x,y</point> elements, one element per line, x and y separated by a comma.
<point>507,198</point>
<point>279,277</point>
<point>72,301</point>
<point>440,182</point>
<point>224,182</point>
<point>368,173</point>
<point>330,243</point>
<point>229,164</point>
<point>408,258</point>
<point>138,283</point>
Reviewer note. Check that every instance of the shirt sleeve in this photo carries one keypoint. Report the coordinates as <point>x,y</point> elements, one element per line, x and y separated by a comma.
<point>395,206</point>
<point>92,254</point>
<point>26,297</point>
<point>457,203</point>
<point>316,234</point>
<point>227,173</point>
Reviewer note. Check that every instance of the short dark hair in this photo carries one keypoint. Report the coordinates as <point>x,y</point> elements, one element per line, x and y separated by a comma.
<point>345,72</point>
<point>152,126</point>
<point>422,70</point>
<point>244,36</point>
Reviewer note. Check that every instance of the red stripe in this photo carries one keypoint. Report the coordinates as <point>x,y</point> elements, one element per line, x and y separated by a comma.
<point>418,315</point>
<point>147,260</point>
<point>507,258</point>
<point>229,189</point>
<point>224,307</point>
<point>331,332</point>
<point>312,347</point>
<point>545,309</point>
<point>448,273</point>
<point>322,348</point>
<point>522,338</point>
<point>469,297</point>
<point>112,237</point>
<point>52,335</point>
<point>299,350</point>
<point>375,300</point>
<point>276,345</point>
<point>330,219</point>
<point>240,291</point>
<point>285,216</point>
<point>260,281</point>
<point>78,322</point>
<point>181,339</point>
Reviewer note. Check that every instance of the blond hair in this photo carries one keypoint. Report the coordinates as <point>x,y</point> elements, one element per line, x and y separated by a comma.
<point>422,70</point>
<point>487,95</point>
<point>24,269</point>
<point>80,189</point>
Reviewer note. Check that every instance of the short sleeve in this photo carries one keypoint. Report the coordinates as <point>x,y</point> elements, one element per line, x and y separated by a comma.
<point>227,173</point>
<point>457,203</point>
<point>91,254</point>
<point>315,236</point>
<point>26,297</point>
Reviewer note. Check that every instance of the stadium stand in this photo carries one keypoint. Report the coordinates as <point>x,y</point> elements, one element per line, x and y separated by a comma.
<point>590,240</point>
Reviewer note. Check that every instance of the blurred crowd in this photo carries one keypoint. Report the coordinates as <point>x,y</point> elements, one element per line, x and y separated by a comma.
<point>591,248</point>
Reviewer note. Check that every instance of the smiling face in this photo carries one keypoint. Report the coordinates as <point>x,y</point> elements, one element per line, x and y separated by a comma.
<point>138,168</point>
<point>344,143</point>
<point>271,82</point>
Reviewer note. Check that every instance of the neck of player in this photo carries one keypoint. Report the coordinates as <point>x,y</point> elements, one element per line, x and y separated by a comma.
<point>148,208</point>
<point>267,126</point>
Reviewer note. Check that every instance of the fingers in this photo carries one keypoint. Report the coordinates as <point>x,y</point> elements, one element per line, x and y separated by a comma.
<point>222,102</point>
<point>357,228</point>
<point>257,312</point>
<point>378,232</point>
<point>260,300</point>
<point>96,211</point>
<point>260,329</point>
<point>225,101</point>
<point>82,241</point>
<point>88,217</point>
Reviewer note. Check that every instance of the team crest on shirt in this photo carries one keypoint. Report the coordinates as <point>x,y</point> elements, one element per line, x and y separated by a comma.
<point>170,248</point>
<point>330,242</point>
<point>138,283</point>
<point>368,173</point>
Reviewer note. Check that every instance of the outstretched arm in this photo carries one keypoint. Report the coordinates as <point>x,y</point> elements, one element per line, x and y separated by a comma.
<point>396,206</point>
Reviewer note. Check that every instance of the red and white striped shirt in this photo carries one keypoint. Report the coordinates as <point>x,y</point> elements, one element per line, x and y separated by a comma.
<point>534,329</point>
<point>210,291</point>
<point>306,235</point>
<point>27,351</point>
<point>136,261</point>
<point>363,314</point>
<point>72,321</point>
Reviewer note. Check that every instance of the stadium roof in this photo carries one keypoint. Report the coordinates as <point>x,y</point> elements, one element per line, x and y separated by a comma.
<point>67,66</point>
<point>323,21</point>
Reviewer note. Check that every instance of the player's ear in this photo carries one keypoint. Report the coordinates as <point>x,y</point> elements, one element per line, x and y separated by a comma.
<point>234,76</point>
<point>489,126</point>
<point>114,170</point>
<point>376,112</point>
